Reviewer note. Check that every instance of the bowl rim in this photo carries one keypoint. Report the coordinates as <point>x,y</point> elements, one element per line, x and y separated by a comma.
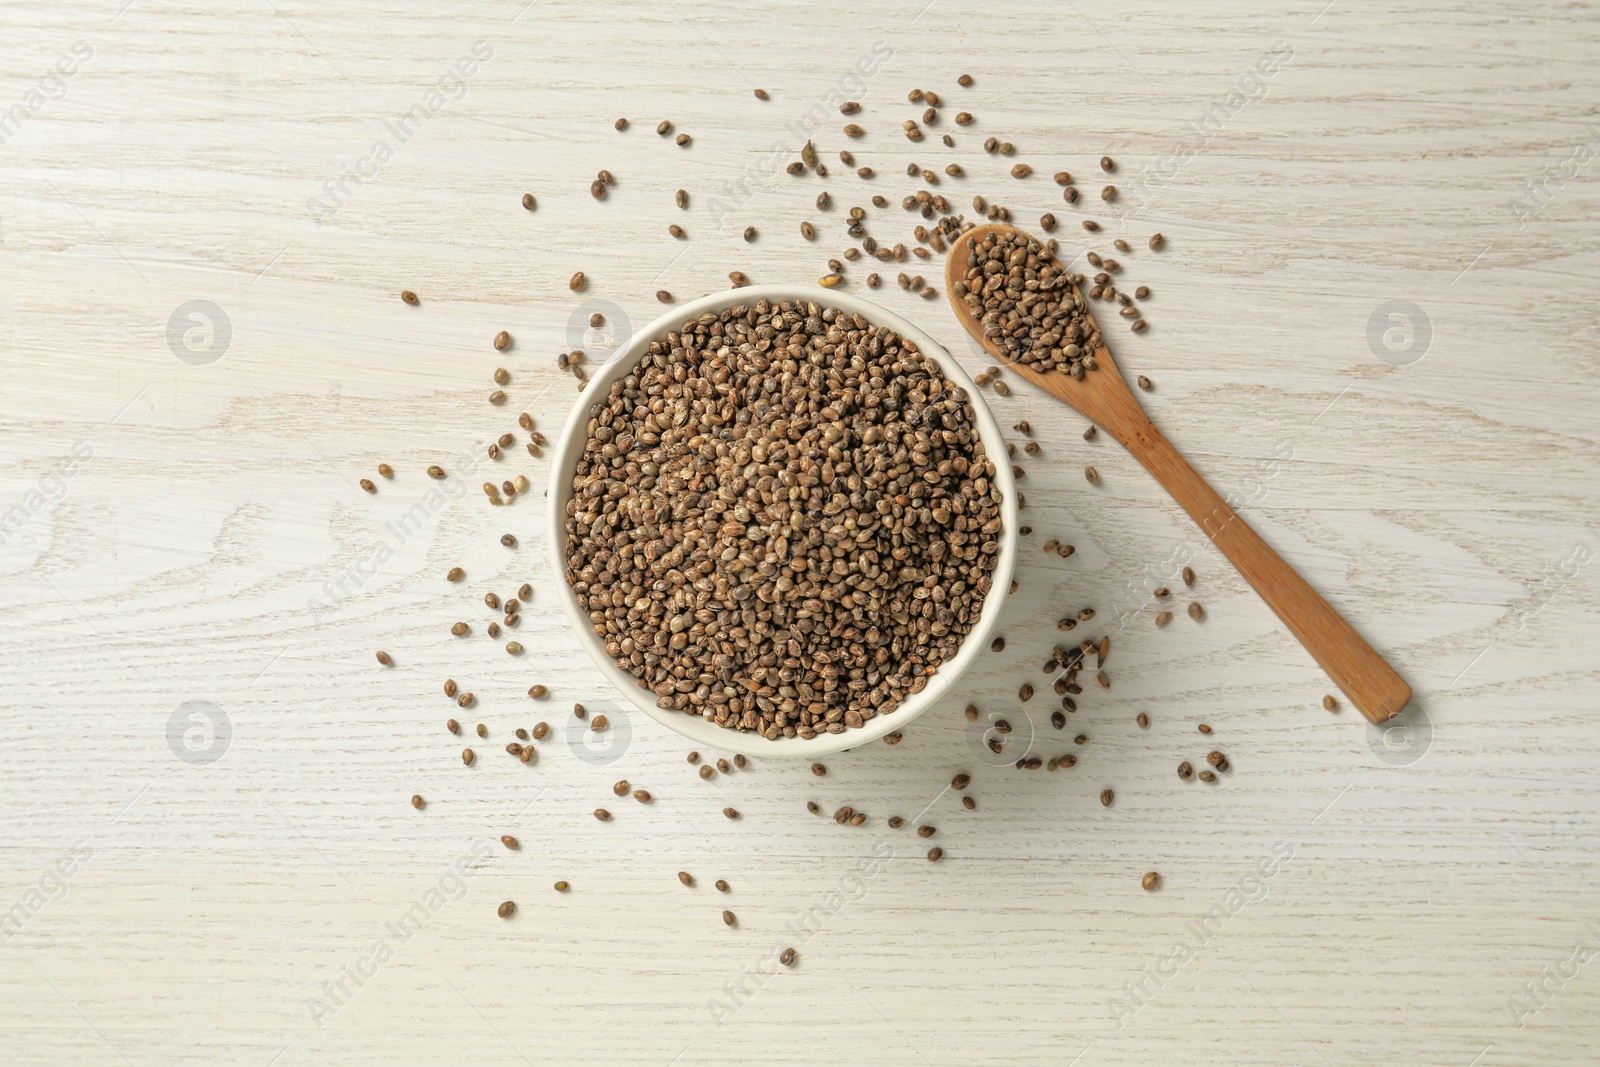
<point>569,448</point>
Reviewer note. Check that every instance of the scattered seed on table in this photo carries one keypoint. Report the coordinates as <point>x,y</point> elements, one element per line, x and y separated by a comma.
<point>786,957</point>
<point>1143,720</point>
<point>739,761</point>
<point>562,886</point>
<point>1108,193</point>
<point>510,842</point>
<point>818,769</point>
<point>722,885</point>
<point>1025,694</point>
<point>385,659</point>
<point>1188,576</point>
<point>621,788</point>
<point>366,483</point>
<point>1021,170</point>
<point>508,909</point>
<point>926,831</point>
<point>1150,881</point>
<point>728,919</point>
<point>694,757</point>
<point>600,723</point>
<point>642,796</point>
<point>1002,388</point>
<point>895,822</point>
<point>460,629</point>
<point>960,782</point>
<point>450,724</point>
<point>1216,759</point>
<point>972,713</point>
<point>1185,771</point>
<point>436,471</point>
<point>686,878</point>
<point>467,757</point>
<point>1091,474</point>
<point>707,771</point>
<point>602,814</point>
<point>732,813</point>
<point>935,854</point>
<point>417,801</point>
<point>1106,797</point>
<point>1330,704</point>
<point>1196,612</point>
<point>1208,776</point>
<point>1156,241</point>
<point>409,297</point>
<point>1145,383</point>
<point>664,127</point>
<point>813,808</point>
<point>676,231</point>
<point>465,700</point>
<point>483,731</point>
<point>761,94</point>
<point>724,766</point>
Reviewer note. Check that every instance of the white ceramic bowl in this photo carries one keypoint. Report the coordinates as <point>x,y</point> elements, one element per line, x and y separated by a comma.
<point>569,449</point>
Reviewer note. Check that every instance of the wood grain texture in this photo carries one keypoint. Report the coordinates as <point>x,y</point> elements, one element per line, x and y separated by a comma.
<point>207,542</point>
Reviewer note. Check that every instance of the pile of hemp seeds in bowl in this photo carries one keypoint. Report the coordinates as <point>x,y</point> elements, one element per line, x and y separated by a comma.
<point>783,520</point>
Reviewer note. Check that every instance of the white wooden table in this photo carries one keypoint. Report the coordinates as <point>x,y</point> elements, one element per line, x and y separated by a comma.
<point>207,853</point>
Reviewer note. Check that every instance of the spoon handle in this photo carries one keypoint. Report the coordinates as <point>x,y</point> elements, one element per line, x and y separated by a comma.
<point>1366,679</point>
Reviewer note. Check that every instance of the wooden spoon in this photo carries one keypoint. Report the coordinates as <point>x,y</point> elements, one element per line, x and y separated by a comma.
<point>1102,395</point>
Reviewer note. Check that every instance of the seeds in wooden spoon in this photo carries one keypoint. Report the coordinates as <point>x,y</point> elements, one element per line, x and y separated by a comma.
<point>1026,304</point>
